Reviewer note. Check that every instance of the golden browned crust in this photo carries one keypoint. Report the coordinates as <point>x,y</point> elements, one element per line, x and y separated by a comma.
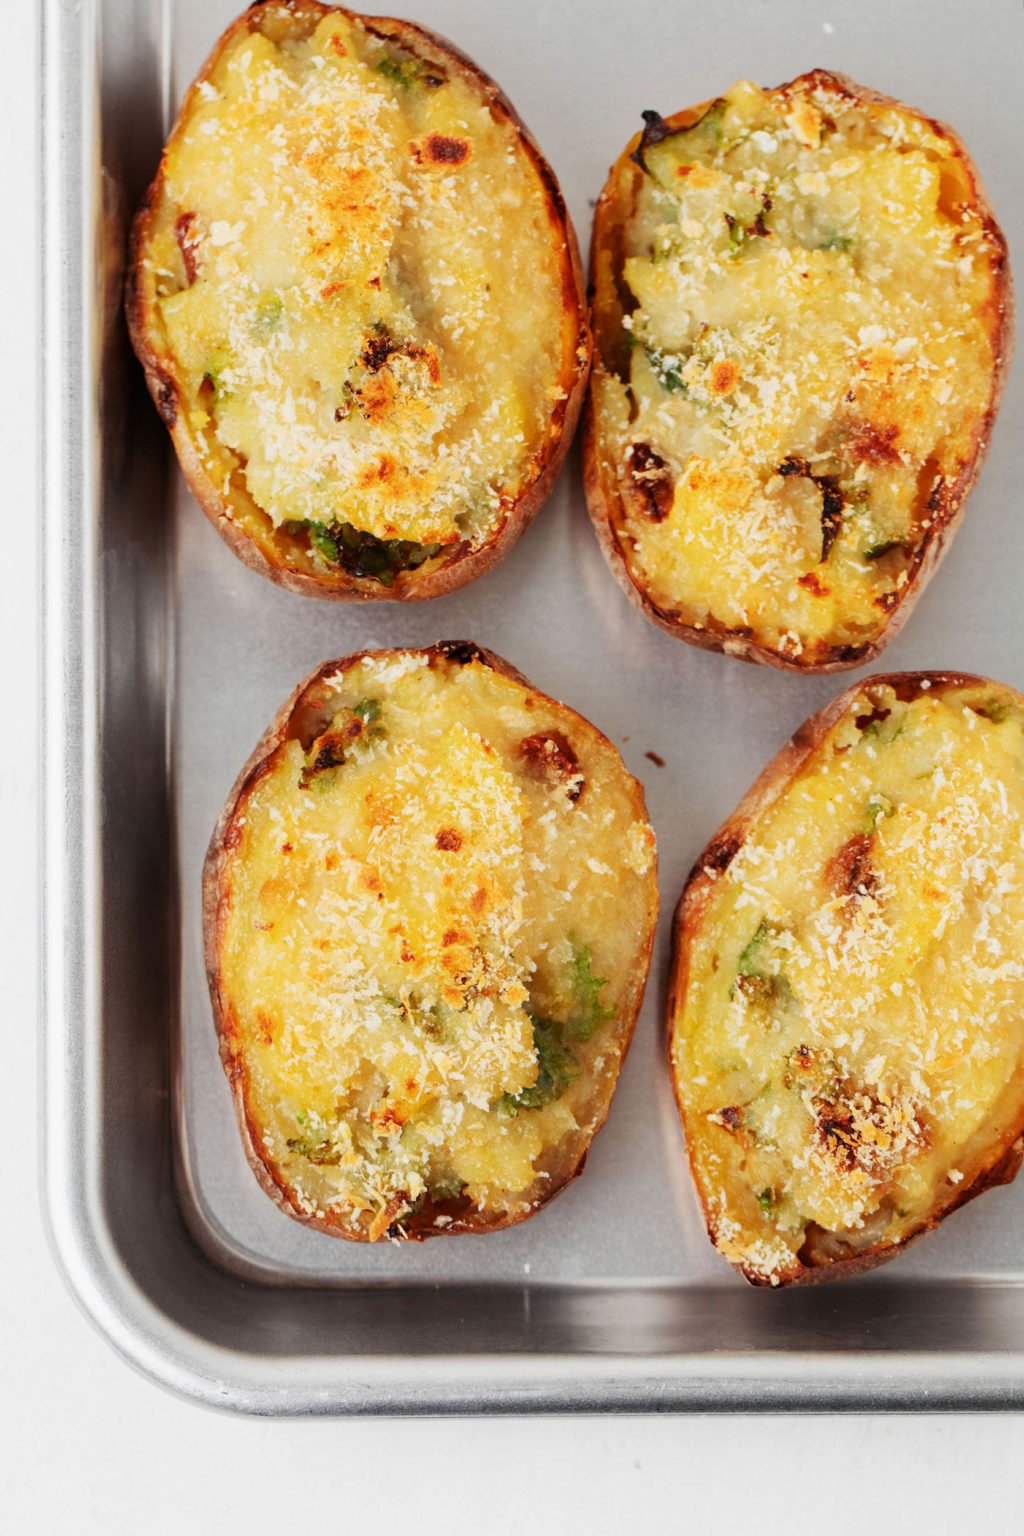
<point>1005,1158</point>
<point>274,553</point>
<point>288,723</point>
<point>604,501</point>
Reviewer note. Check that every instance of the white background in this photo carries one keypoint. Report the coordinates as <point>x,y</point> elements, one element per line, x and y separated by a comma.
<point>86,1446</point>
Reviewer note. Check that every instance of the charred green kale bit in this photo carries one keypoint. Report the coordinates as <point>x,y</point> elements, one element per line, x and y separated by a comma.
<point>753,977</point>
<point>363,554</point>
<point>327,754</point>
<point>268,316</point>
<point>447,1189</point>
<point>322,542</point>
<point>408,72</point>
<point>835,242</point>
<point>880,807</point>
<point>740,234</point>
<point>997,710</point>
<point>667,368</point>
<point>213,376</point>
<point>557,1062</point>
<point>752,957</point>
<point>662,148</point>
<point>331,748</point>
<point>588,1012</point>
<point>884,547</point>
<point>557,1068</point>
<point>317,1145</point>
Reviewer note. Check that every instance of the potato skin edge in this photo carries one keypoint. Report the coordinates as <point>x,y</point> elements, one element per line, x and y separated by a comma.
<point>1006,1155</point>
<point>340,586</point>
<point>605,505</point>
<point>213,908</point>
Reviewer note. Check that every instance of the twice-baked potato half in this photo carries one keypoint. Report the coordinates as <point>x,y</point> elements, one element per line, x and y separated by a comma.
<point>802,315</point>
<point>356,294</point>
<point>429,909</point>
<point>846,1019</point>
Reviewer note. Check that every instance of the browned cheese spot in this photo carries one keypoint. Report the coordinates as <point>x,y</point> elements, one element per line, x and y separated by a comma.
<point>849,872</point>
<point>832,499</point>
<point>731,1119</point>
<point>550,758</point>
<point>873,444</point>
<point>812,582</point>
<point>724,377</point>
<point>722,851</point>
<point>327,752</point>
<point>442,149</point>
<point>188,244</point>
<point>652,481</point>
<point>167,400</point>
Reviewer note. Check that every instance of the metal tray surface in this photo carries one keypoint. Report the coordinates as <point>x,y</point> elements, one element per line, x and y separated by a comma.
<point>165,659</point>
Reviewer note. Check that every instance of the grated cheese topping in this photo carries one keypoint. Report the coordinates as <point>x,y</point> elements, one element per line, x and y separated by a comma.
<point>850,1047</point>
<point>359,283</point>
<point>799,328</point>
<point>430,948</point>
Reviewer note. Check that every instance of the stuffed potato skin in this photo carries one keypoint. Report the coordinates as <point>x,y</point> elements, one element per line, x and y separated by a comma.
<point>884,497</point>
<point>392,495</point>
<point>437,1055</point>
<point>839,1096</point>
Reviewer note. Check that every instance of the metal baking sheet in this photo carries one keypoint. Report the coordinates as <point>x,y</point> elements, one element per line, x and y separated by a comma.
<point>165,658</point>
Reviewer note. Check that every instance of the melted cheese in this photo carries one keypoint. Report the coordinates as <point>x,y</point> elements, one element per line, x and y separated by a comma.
<point>802,278</point>
<point>359,286</point>
<point>850,1047</point>
<point>394,925</point>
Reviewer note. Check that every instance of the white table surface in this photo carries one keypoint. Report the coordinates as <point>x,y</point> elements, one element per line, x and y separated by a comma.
<point>86,1446</point>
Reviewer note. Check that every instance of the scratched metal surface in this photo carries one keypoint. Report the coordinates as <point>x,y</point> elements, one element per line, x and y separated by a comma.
<point>185,657</point>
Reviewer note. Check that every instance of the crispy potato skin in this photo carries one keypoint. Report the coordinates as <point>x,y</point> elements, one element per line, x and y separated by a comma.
<point>214,898</point>
<point>604,502</point>
<point>1006,1157</point>
<point>271,555</point>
